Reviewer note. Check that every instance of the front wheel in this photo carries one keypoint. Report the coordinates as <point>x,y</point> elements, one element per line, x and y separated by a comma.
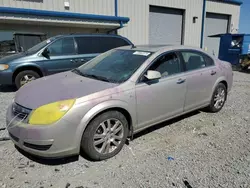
<point>218,99</point>
<point>24,77</point>
<point>105,136</point>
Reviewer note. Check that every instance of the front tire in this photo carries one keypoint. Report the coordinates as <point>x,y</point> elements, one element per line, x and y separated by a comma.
<point>24,77</point>
<point>218,99</point>
<point>105,136</point>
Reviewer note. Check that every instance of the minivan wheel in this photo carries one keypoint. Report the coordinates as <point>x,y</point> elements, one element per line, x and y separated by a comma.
<point>218,99</point>
<point>105,136</point>
<point>24,77</point>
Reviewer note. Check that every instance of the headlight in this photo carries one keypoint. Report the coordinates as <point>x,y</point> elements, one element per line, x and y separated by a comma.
<point>3,67</point>
<point>50,113</point>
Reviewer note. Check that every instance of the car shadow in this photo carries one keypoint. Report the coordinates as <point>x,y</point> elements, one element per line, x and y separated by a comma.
<point>48,161</point>
<point>245,71</point>
<point>164,124</point>
<point>7,88</point>
<point>66,160</point>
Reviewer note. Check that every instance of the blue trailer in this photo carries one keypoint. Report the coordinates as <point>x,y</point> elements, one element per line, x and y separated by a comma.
<point>235,48</point>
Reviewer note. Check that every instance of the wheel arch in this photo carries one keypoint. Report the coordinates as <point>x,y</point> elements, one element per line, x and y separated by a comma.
<point>26,67</point>
<point>225,83</point>
<point>102,108</point>
<point>222,80</point>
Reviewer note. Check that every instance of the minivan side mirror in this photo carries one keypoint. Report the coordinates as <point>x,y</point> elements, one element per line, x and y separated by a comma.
<point>21,49</point>
<point>153,75</point>
<point>45,53</point>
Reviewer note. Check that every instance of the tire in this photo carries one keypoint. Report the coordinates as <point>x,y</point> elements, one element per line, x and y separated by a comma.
<point>96,152</point>
<point>19,79</point>
<point>212,107</point>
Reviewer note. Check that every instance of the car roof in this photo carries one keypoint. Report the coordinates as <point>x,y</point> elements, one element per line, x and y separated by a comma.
<point>93,35</point>
<point>155,48</point>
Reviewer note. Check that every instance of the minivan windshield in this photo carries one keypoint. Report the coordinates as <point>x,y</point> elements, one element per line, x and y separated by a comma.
<point>40,45</point>
<point>114,66</point>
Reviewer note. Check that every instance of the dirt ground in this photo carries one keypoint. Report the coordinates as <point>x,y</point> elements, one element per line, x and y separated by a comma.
<point>195,151</point>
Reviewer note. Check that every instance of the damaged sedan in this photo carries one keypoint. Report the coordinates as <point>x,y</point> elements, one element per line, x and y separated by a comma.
<point>96,107</point>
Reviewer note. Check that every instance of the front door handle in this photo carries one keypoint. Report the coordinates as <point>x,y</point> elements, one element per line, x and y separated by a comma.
<point>213,72</point>
<point>73,61</point>
<point>180,81</point>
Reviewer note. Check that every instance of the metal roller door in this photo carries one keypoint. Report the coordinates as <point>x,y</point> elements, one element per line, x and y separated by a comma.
<point>165,25</point>
<point>215,24</point>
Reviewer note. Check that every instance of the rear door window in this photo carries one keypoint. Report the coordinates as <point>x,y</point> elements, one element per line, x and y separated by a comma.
<point>193,60</point>
<point>209,61</point>
<point>94,45</point>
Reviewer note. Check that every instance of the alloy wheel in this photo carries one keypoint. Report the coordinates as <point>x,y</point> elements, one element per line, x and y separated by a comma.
<point>219,98</point>
<point>26,79</point>
<point>108,136</point>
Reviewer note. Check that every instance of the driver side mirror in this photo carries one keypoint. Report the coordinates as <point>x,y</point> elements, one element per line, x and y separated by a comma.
<point>153,75</point>
<point>45,53</point>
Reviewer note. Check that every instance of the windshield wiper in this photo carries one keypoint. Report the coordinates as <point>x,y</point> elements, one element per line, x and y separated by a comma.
<point>98,77</point>
<point>77,71</point>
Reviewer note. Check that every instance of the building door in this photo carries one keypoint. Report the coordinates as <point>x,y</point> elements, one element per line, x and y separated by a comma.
<point>214,24</point>
<point>165,25</point>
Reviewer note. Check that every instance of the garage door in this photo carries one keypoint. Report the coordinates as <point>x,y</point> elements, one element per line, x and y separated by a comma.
<point>165,25</point>
<point>215,24</point>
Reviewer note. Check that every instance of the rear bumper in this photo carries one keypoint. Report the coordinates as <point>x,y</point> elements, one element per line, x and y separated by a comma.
<point>6,77</point>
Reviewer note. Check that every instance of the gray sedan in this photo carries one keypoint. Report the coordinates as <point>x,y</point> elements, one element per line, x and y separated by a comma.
<point>97,106</point>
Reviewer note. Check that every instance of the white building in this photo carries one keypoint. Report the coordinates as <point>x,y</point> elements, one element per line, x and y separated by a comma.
<point>141,21</point>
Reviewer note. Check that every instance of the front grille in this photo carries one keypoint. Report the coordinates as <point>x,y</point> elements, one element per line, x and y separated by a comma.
<point>20,111</point>
<point>20,115</point>
<point>37,147</point>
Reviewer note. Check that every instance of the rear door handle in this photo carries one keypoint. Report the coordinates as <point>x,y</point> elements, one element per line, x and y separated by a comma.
<point>180,81</point>
<point>213,72</point>
<point>83,60</point>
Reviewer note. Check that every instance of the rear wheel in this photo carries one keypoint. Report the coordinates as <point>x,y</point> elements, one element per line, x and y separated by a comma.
<point>218,99</point>
<point>24,77</point>
<point>105,136</point>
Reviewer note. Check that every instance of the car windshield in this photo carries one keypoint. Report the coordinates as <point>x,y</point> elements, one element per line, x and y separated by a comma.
<point>114,66</point>
<point>40,45</point>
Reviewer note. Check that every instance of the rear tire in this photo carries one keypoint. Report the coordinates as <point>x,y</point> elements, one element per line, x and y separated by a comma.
<point>24,77</point>
<point>219,98</point>
<point>105,136</point>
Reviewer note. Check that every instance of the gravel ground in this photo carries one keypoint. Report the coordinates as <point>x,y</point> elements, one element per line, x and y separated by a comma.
<point>195,151</point>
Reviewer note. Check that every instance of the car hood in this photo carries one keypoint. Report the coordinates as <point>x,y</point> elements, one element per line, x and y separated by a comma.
<point>62,86</point>
<point>8,59</point>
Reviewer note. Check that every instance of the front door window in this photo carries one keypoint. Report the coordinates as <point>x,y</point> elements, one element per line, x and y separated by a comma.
<point>62,47</point>
<point>167,65</point>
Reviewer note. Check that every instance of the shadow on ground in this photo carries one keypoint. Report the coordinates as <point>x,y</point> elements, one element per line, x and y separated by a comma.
<point>245,71</point>
<point>60,161</point>
<point>7,89</point>
<point>164,124</point>
<point>48,161</point>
